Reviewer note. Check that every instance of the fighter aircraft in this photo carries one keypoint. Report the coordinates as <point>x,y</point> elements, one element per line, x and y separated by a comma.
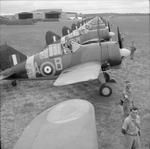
<point>81,35</point>
<point>71,63</point>
<point>85,36</point>
<point>92,24</point>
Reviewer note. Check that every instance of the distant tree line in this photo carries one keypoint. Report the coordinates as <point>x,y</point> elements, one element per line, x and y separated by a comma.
<point>115,14</point>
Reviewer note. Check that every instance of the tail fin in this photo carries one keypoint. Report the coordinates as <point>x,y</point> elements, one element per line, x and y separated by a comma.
<point>10,57</point>
<point>74,26</point>
<point>79,24</point>
<point>51,38</point>
<point>65,31</point>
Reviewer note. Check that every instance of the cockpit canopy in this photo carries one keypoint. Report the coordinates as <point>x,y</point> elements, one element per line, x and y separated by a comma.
<point>59,49</point>
<point>51,51</point>
<point>70,47</point>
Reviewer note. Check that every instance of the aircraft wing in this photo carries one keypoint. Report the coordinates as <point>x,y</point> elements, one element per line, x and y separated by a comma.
<point>79,73</point>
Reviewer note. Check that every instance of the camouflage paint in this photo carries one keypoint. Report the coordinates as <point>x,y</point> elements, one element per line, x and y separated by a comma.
<point>93,34</point>
<point>43,64</point>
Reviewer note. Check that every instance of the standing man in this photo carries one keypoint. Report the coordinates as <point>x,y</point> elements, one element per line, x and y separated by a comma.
<point>133,49</point>
<point>127,90</point>
<point>131,130</point>
<point>126,100</point>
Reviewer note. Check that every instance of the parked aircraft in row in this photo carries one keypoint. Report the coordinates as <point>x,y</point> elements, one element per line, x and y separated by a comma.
<point>70,62</point>
<point>82,34</point>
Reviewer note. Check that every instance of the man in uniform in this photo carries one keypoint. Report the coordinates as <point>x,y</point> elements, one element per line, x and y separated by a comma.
<point>126,100</point>
<point>131,130</point>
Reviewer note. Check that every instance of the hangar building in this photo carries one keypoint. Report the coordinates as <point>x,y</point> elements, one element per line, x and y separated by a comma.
<point>72,15</point>
<point>25,15</point>
<point>45,14</point>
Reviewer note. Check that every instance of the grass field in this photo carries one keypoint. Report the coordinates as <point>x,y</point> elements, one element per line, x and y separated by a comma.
<point>19,105</point>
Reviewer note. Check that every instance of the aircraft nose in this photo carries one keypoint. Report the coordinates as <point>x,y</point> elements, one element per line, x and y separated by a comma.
<point>111,34</point>
<point>125,52</point>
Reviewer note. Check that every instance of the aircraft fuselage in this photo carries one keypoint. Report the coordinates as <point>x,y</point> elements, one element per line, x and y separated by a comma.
<point>50,62</point>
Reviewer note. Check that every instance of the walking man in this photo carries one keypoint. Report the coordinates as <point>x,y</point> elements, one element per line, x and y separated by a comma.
<point>126,106</point>
<point>131,130</point>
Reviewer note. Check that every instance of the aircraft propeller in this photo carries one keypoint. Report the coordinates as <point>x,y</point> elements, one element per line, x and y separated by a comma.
<point>119,38</point>
<point>123,51</point>
<point>111,34</point>
<point>108,26</point>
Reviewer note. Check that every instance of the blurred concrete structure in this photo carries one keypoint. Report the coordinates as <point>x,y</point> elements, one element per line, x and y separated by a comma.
<point>46,14</point>
<point>51,14</point>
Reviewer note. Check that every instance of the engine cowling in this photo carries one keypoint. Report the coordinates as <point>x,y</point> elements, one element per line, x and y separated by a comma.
<point>111,53</point>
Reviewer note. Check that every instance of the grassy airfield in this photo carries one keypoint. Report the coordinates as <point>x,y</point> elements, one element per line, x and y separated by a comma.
<point>19,105</point>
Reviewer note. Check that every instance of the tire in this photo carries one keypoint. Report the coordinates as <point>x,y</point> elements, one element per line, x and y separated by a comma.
<point>105,90</point>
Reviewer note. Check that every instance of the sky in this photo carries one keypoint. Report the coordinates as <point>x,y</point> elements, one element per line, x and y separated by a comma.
<point>80,6</point>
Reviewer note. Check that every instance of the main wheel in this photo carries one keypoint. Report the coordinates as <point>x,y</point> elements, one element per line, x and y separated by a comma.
<point>105,90</point>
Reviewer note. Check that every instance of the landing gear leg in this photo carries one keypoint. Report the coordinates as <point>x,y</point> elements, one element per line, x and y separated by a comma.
<point>14,83</point>
<point>107,78</point>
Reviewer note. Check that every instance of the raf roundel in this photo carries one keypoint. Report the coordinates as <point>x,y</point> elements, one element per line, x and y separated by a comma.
<point>47,69</point>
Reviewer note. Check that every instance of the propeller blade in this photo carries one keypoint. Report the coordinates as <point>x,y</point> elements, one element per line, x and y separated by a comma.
<point>105,22</point>
<point>119,38</point>
<point>109,26</point>
<point>51,38</point>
